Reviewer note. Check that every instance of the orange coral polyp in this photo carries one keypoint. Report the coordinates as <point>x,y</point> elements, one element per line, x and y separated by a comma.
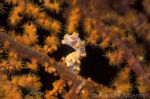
<point>52,6</point>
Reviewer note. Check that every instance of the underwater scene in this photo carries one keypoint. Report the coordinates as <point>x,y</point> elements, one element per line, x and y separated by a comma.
<point>74,49</point>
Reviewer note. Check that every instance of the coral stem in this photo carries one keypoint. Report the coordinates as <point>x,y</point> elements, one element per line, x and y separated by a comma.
<point>64,73</point>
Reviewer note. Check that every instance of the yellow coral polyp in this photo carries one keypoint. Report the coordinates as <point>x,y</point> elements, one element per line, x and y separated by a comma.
<point>32,10</point>
<point>88,25</point>
<point>112,56</point>
<point>13,20</point>
<point>92,37</point>
<point>52,6</point>
<point>33,65</point>
<point>42,19</point>
<point>14,16</point>
<point>73,20</point>
<point>8,90</point>
<point>56,26</point>
<point>14,2</point>
<point>52,40</point>
<point>105,43</point>
<point>24,40</point>
<point>30,28</point>
<point>143,88</point>
<point>27,81</point>
<point>58,87</point>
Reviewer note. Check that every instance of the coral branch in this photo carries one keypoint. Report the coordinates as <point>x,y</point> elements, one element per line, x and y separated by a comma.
<point>134,64</point>
<point>64,73</point>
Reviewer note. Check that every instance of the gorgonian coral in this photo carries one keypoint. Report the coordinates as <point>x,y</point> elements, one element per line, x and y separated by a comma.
<point>37,62</point>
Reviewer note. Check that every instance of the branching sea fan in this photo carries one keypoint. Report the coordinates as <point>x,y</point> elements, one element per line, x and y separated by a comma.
<point>74,49</point>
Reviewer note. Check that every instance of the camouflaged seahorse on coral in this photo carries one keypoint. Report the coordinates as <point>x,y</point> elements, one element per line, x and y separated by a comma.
<point>73,59</point>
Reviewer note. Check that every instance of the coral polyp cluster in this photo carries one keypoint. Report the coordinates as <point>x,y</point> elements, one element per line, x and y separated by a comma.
<point>74,49</point>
